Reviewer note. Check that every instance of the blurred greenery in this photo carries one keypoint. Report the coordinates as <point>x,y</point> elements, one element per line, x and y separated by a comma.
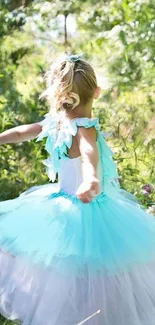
<point>118,38</point>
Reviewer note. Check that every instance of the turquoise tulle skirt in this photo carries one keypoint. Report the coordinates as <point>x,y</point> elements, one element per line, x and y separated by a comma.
<point>62,260</point>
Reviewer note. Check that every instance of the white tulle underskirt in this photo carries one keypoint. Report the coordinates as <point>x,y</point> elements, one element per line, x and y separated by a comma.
<point>34,295</point>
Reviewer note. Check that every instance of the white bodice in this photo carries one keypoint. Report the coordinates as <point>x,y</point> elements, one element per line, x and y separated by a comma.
<point>70,175</point>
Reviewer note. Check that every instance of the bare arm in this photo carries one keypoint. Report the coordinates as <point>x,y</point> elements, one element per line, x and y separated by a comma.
<point>88,149</point>
<point>20,133</point>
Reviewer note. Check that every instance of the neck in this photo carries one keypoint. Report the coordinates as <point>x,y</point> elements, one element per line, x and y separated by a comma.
<point>80,111</point>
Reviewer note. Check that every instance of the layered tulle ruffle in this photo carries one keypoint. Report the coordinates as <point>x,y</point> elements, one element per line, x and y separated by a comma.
<point>57,229</point>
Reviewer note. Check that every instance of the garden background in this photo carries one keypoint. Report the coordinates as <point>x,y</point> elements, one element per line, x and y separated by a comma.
<point>118,38</point>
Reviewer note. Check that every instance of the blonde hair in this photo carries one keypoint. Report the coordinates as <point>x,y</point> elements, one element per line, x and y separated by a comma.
<point>69,84</point>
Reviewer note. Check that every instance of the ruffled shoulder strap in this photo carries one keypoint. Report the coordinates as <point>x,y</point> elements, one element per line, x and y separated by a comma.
<point>59,133</point>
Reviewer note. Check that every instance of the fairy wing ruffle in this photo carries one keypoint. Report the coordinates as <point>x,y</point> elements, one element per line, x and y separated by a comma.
<point>59,139</point>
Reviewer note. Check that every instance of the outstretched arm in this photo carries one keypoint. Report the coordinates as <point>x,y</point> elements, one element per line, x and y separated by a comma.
<point>20,133</point>
<point>88,149</point>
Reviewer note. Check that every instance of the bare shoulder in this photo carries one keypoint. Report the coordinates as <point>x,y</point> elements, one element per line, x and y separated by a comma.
<point>89,134</point>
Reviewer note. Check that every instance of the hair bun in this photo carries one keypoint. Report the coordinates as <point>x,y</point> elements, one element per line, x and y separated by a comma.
<point>70,100</point>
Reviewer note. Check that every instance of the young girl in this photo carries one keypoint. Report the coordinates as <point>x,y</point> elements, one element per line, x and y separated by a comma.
<point>71,249</point>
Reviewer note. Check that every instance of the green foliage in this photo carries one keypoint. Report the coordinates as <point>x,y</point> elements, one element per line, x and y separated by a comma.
<point>118,38</point>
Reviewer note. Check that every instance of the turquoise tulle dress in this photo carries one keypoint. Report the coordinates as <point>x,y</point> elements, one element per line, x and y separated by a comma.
<point>62,260</point>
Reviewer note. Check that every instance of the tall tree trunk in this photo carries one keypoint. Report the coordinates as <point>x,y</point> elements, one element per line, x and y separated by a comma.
<point>65,30</point>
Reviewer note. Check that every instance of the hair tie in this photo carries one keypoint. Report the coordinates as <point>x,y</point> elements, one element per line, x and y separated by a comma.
<point>74,58</point>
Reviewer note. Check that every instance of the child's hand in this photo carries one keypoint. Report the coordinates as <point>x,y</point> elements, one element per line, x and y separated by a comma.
<point>88,190</point>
